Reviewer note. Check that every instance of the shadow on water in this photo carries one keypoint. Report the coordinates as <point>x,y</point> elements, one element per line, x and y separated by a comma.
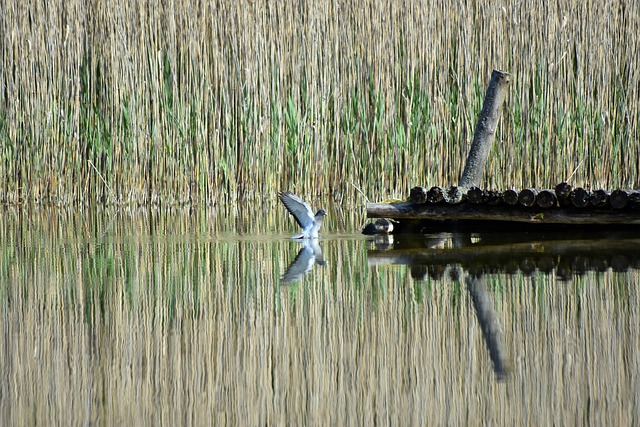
<point>469,256</point>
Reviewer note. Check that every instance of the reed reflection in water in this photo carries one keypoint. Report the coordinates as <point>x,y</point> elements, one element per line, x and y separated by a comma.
<point>114,317</point>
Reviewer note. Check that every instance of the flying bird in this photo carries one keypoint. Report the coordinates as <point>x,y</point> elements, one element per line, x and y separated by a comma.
<point>303,214</point>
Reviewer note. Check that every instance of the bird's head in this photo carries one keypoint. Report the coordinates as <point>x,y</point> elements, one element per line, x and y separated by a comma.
<point>321,213</point>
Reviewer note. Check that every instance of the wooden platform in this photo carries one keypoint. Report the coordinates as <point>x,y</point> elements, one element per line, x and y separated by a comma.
<point>468,203</point>
<point>560,206</point>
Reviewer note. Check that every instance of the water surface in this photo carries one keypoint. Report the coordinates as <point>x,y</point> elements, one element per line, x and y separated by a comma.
<point>119,316</point>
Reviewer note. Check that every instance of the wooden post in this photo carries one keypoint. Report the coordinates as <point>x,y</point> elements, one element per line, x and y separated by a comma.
<point>493,197</point>
<point>580,197</point>
<point>418,195</point>
<point>563,192</point>
<point>455,195</point>
<point>600,198</point>
<point>546,198</point>
<point>476,195</point>
<point>527,197</point>
<point>435,195</point>
<point>510,197</point>
<point>485,130</point>
<point>619,199</point>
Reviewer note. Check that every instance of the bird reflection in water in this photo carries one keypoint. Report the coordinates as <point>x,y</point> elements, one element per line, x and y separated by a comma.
<point>309,254</point>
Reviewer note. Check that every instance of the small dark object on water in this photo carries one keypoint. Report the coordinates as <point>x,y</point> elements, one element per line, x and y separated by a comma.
<point>381,226</point>
<point>634,200</point>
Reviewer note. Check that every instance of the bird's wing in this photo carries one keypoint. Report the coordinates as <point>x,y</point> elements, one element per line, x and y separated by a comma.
<point>300,266</point>
<point>300,210</point>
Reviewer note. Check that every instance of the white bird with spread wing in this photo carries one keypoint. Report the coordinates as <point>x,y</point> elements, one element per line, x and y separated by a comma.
<point>303,214</point>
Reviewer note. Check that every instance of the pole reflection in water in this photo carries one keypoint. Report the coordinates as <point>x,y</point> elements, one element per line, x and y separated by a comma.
<point>469,257</point>
<point>490,324</point>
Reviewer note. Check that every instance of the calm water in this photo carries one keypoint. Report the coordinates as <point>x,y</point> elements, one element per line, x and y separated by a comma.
<point>177,317</point>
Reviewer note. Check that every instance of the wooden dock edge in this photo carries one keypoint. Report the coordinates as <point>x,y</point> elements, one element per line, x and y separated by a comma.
<point>470,212</point>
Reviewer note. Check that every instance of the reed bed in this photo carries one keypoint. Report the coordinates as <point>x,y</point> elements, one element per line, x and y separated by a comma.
<point>209,102</point>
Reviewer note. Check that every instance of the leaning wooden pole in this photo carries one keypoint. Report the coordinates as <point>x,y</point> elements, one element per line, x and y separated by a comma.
<point>485,130</point>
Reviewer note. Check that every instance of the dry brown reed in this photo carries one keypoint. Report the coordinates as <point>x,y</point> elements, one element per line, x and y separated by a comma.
<point>216,101</point>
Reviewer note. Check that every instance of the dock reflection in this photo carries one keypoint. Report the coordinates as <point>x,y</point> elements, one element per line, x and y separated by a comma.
<point>566,253</point>
<point>468,257</point>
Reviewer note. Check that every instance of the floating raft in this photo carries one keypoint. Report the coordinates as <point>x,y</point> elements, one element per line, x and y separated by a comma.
<point>562,205</point>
